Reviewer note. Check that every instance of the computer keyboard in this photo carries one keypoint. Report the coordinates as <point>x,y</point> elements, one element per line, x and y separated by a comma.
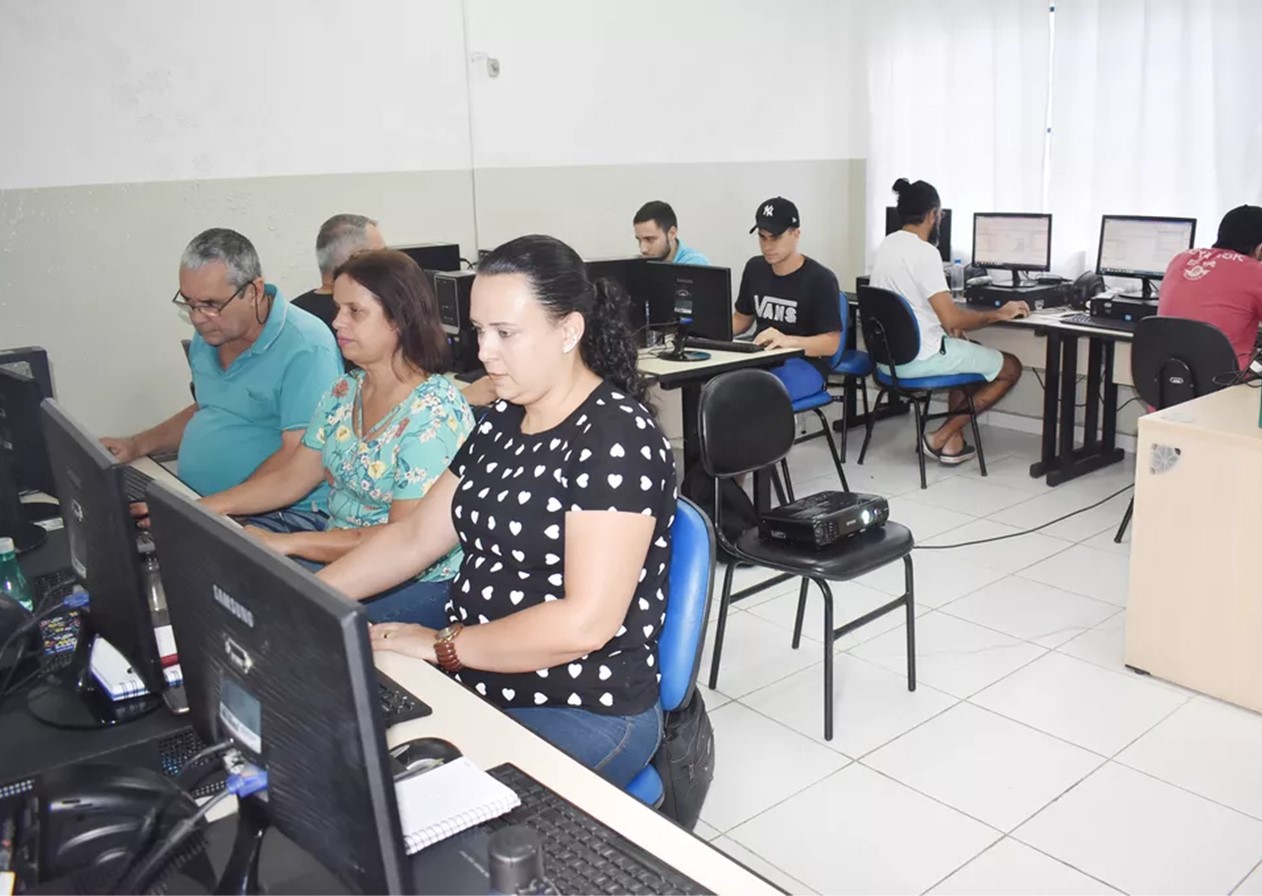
<point>1083,319</point>
<point>581,855</point>
<point>135,483</point>
<point>398,705</point>
<point>720,345</point>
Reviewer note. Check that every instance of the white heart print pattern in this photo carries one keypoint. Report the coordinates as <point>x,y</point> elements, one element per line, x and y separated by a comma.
<point>509,513</point>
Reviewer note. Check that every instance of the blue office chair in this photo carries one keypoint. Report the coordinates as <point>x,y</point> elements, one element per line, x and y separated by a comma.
<point>687,611</point>
<point>850,367</point>
<point>892,337</point>
<point>847,364</point>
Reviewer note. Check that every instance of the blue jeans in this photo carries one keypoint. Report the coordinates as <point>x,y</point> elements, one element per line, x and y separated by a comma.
<point>412,601</point>
<point>615,747</point>
<point>290,519</point>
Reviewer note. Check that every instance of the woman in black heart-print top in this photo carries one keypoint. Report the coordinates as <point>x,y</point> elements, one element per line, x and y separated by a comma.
<point>562,501</point>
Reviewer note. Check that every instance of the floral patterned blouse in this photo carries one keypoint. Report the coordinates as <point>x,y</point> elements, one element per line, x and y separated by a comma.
<point>405,454</point>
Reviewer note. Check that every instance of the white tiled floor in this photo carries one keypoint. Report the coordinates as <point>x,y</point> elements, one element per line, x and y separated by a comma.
<point>1028,760</point>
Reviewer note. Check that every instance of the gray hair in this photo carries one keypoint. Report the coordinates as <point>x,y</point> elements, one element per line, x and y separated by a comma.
<point>339,238</point>
<point>220,244</point>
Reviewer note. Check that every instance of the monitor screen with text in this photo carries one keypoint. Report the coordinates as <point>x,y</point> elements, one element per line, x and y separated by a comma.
<point>1132,246</point>
<point>1016,242</point>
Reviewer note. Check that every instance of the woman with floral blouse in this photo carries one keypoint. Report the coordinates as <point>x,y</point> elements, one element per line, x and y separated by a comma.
<point>381,436</point>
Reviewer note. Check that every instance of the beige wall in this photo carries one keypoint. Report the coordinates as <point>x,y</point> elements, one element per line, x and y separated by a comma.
<point>87,272</point>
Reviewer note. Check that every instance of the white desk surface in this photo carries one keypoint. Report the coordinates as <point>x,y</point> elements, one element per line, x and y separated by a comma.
<point>489,738</point>
<point>651,364</point>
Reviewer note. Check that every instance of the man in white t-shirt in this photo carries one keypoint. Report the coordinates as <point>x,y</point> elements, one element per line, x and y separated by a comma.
<point>908,263</point>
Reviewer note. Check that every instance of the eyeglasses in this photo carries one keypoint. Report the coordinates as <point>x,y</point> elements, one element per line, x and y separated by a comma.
<point>206,309</point>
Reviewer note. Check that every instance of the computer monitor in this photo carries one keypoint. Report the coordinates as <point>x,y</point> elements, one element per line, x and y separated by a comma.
<point>626,272</point>
<point>280,664</point>
<point>23,460</point>
<point>894,221</point>
<point>1012,242</point>
<point>20,436</point>
<point>698,295</point>
<point>1142,247</point>
<point>103,554</point>
<point>433,256</point>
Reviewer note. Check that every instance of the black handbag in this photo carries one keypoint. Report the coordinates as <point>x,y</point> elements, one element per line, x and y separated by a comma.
<point>685,761</point>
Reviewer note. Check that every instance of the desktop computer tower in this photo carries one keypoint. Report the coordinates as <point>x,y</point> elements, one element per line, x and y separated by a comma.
<point>433,256</point>
<point>452,289</point>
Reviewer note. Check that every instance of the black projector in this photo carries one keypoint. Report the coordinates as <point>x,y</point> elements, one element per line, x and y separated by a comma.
<point>823,519</point>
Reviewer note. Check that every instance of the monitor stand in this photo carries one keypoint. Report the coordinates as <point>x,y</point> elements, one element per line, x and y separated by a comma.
<point>71,698</point>
<point>1146,292</point>
<point>678,352</point>
<point>16,520</point>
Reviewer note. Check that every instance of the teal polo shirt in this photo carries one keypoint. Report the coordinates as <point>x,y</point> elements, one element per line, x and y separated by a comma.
<point>274,386</point>
<point>687,255</point>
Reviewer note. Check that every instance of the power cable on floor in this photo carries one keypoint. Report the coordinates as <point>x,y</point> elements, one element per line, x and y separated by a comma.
<point>966,544</point>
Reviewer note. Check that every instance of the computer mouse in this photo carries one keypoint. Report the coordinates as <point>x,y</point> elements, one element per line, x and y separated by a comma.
<point>424,753</point>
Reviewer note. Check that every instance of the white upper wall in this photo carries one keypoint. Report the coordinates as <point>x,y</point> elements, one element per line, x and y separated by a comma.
<point>615,82</point>
<point>150,90</point>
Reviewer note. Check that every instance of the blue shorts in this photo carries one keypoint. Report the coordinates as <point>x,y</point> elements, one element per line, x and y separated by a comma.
<point>957,356</point>
<point>800,377</point>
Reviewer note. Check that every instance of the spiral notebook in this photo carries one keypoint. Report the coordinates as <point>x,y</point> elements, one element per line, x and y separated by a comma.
<point>446,800</point>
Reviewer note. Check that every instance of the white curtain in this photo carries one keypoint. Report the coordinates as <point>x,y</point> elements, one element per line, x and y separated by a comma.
<point>1156,110</point>
<point>957,94</point>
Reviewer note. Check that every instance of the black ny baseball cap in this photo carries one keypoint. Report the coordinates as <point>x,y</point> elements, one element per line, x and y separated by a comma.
<point>776,215</point>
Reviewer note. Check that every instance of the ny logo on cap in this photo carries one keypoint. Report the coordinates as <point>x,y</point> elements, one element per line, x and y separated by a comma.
<point>768,210</point>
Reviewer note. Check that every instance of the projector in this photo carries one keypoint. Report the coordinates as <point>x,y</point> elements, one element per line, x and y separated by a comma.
<point>823,519</point>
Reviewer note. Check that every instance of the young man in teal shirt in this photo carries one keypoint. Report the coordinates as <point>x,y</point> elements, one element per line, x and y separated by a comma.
<point>657,234</point>
<point>260,368</point>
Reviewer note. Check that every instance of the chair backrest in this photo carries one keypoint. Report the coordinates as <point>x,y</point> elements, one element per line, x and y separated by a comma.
<point>687,605</point>
<point>890,332</point>
<point>745,423</point>
<point>1174,360</point>
<point>845,327</point>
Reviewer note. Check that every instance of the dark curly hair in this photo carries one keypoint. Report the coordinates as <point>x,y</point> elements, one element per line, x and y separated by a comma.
<point>406,297</point>
<point>558,279</point>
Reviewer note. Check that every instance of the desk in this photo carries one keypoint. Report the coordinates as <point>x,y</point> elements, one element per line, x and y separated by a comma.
<point>1194,608</point>
<point>28,746</point>
<point>489,737</point>
<point>1060,458</point>
<point>689,376</point>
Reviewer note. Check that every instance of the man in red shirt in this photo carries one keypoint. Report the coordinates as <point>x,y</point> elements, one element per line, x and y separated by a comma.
<point>1222,286</point>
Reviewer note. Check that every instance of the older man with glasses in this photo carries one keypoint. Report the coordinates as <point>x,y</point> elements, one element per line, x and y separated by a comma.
<point>260,367</point>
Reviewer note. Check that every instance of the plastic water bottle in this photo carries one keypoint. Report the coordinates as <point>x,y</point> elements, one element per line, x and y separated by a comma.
<point>956,277</point>
<point>13,584</point>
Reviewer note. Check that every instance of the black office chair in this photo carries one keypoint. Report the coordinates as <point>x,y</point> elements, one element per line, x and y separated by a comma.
<point>746,424</point>
<point>1174,360</point>
<point>892,337</point>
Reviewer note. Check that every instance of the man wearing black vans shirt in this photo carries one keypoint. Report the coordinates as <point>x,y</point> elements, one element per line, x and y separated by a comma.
<point>793,301</point>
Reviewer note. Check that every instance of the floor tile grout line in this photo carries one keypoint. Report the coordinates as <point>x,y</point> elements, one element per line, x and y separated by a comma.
<point>1103,757</point>
<point>1067,864</point>
<point>781,802</point>
<point>772,864</point>
<point>954,871</point>
<point>1189,792</point>
<point>1240,883</point>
